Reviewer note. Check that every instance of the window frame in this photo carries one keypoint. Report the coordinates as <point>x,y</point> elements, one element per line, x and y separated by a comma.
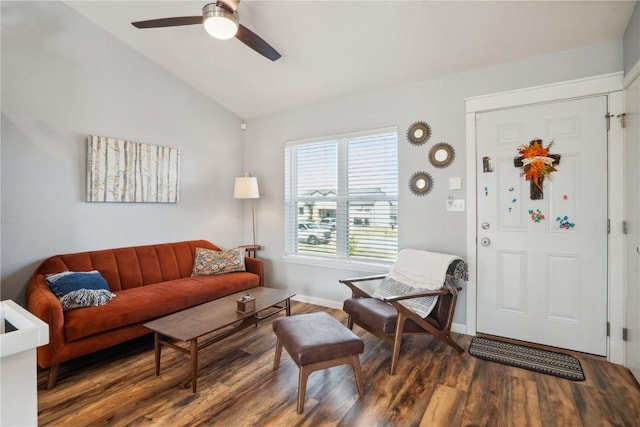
<point>341,258</point>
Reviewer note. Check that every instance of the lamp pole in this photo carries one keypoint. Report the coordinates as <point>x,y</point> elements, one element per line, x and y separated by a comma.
<point>253,217</point>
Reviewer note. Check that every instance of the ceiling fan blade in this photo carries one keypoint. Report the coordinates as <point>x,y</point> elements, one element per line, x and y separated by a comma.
<point>256,43</point>
<point>169,22</point>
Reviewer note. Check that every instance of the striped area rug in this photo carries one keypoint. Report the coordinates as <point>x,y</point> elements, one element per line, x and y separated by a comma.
<point>534,359</point>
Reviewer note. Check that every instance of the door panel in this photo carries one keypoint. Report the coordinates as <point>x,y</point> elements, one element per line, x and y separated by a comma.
<point>544,280</point>
<point>564,290</point>
<point>512,268</point>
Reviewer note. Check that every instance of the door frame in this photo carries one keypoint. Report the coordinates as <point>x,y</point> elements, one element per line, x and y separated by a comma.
<point>610,85</point>
<point>630,78</point>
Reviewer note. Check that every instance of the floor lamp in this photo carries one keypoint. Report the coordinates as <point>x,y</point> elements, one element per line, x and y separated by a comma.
<point>246,187</point>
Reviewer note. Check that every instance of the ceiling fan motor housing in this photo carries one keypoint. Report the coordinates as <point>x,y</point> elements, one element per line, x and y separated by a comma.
<point>220,22</point>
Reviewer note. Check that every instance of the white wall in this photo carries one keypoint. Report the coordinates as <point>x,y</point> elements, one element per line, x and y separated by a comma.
<point>631,40</point>
<point>64,78</point>
<point>423,221</point>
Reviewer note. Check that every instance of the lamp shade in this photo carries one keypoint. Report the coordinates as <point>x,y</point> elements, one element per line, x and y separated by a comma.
<point>246,187</point>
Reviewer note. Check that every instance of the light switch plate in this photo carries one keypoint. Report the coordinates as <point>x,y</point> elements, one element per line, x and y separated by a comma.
<point>456,205</point>
<point>455,183</point>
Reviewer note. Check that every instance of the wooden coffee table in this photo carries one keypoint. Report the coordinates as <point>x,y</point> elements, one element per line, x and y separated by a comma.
<point>212,321</point>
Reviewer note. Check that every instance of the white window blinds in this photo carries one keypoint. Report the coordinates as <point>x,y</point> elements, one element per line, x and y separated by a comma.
<point>341,196</point>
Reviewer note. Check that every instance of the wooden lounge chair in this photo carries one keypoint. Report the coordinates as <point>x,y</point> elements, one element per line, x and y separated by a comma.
<point>390,319</point>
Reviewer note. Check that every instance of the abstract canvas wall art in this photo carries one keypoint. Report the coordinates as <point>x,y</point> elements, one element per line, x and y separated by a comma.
<point>126,171</point>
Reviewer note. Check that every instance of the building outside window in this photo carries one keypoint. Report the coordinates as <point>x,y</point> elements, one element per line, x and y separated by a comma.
<point>341,196</point>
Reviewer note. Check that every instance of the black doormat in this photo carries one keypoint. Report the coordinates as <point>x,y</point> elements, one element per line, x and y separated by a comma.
<point>534,359</point>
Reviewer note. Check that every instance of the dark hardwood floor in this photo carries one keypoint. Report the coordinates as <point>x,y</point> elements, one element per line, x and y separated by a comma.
<point>434,386</point>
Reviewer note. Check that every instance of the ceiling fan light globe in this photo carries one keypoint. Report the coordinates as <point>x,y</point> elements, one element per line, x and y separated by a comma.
<point>220,23</point>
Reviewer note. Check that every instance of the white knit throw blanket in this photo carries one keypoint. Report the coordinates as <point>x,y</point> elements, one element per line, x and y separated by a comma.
<point>421,269</point>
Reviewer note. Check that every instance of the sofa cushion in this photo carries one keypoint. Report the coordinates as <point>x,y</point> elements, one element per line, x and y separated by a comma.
<point>69,281</point>
<point>217,262</point>
<point>145,303</point>
<point>80,289</point>
<point>130,267</point>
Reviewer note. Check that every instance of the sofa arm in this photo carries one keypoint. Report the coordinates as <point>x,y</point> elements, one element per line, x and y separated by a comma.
<point>255,265</point>
<point>41,302</point>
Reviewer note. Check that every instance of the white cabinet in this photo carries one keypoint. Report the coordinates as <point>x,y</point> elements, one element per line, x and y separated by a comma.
<point>20,333</point>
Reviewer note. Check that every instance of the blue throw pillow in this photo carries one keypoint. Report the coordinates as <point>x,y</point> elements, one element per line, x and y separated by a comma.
<point>68,281</point>
<point>80,289</point>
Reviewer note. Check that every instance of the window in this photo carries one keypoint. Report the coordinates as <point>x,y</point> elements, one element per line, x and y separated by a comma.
<point>341,196</point>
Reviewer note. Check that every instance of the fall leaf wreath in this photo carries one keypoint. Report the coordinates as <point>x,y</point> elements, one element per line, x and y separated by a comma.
<point>536,161</point>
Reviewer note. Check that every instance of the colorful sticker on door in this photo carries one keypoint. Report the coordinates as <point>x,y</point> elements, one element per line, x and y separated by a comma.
<point>536,216</point>
<point>565,223</point>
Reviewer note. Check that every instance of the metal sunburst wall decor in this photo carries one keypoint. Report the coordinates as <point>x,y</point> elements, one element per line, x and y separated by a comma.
<point>420,183</point>
<point>441,155</point>
<point>419,133</point>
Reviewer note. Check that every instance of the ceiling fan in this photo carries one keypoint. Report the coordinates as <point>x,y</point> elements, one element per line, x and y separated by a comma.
<point>221,20</point>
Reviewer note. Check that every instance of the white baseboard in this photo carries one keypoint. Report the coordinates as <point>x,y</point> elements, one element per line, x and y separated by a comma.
<point>318,301</point>
<point>459,328</point>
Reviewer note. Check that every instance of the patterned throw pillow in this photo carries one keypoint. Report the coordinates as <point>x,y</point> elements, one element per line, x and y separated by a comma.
<point>77,289</point>
<point>85,298</point>
<point>209,262</point>
<point>392,288</point>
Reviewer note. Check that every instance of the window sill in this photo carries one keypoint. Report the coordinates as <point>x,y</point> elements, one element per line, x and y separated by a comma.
<point>359,266</point>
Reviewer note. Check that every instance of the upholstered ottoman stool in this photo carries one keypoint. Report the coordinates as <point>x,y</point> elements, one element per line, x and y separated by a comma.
<point>317,341</point>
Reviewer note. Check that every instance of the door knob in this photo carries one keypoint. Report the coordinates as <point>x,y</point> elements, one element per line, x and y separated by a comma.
<point>485,225</point>
<point>485,241</point>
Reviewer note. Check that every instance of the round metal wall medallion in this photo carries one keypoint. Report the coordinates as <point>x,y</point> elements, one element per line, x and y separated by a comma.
<point>419,133</point>
<point>420,183</point>
<point>441,155</point>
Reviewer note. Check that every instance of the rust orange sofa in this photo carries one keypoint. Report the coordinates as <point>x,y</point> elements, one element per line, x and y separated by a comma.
<point>149,282</point>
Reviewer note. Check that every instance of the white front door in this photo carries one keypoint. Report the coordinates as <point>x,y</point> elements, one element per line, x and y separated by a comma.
<point>632,179</point>
<point>542,264</point>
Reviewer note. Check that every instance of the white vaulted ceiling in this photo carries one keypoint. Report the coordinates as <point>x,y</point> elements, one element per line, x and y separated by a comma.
<point>336,48</point>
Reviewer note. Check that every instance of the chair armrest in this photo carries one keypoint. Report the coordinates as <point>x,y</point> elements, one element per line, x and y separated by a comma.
<point>442,291</point>
<point>363,279</point>
<point>356,291</point>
